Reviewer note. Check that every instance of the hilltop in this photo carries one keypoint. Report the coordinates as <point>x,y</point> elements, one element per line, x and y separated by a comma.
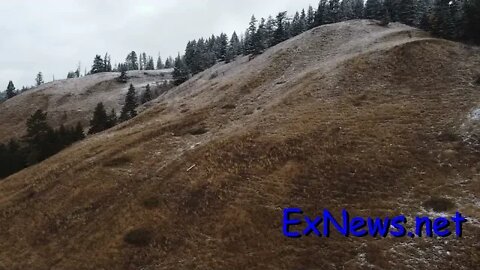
<point>377,120</point>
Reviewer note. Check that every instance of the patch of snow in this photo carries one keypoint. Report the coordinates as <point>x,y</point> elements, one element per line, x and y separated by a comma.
<point>470,129</point>
<point>362,258</point>
<point>194,145</point>
<point>475,115</point>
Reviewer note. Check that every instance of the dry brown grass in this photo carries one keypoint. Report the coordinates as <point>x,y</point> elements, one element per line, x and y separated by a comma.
<point>377,134</point>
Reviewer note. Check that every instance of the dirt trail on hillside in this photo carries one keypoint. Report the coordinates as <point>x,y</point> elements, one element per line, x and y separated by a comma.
<point>349,115</point>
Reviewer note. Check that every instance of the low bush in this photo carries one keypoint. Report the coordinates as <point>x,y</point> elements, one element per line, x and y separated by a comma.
<point>229,106</point>
<point>138,237</point>
<point>151,202</point>
<point>198,131</point>
<point>439,204</point>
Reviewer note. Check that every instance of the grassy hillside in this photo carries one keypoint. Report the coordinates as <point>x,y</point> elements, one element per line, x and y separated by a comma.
<point>73,100</point>
<point>350,115</point>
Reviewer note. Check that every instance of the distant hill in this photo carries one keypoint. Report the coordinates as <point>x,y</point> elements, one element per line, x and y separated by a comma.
<point>72,100</point>
<point>376,120</point>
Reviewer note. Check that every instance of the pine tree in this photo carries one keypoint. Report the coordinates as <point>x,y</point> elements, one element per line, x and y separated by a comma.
<point>143,61</point>
<point>333,12</point>
<point>129,108</point>
<point>132,61</point>
<point>321,14</point>
<point>373,10</point>
<point>310,18</point>
<point>99,121</point>
<point>259,38</point>
<point>123,73</point>
<point>198,56</point>
<point>63,137</point>
<point>280,34</point>
<point>15,157</point>
<point>71,75</point>
<point>242,44</point>
<point>147,95</point>
<point>222,47</point>
<point>407,12</point>
<point>37,124</point>
<point>288,29</point>
<point>169,62</point>
<point>346,10</point>
<point>442,22</point>
<point>12,158</point>
<point>160,64</point>
<point>10,92</point>
<point>250,36</point>
<point>472,20</point>
<point>458,19</point>
<point>386,17</point>
<point>303,20</point>
<point>77,72</point>
<point>180,71</point>
<point>39,79</point>
<point>393,9</point>
<point>269,31</point>
<point>192,57</point>
<point>78,132</point>
<point>107,65</point>
<point>112,119</point>
<point>233,48</point>
<point>38,138</point>
<point>297,25</point>
<point>150,64</point>
<point>98,65</point>
<point>230,56</point>
<point>358,9</point>
<point>205,54</point>
<point>425,22</point>
<point>235,43</point>
<point>4,159</point>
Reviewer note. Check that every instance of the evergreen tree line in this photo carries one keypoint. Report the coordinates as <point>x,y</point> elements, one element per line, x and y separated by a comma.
<point>144,62</point>
<point>101,64</point>
<point>451,19</point>
<point>102,121</point>
<point>40,142</point>
<point>132,62</point>
<point>76,73</point>
<point>11,91</point>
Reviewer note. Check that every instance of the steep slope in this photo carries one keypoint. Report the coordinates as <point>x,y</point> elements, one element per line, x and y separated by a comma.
<point>349,115</point>
<point>73,100</point>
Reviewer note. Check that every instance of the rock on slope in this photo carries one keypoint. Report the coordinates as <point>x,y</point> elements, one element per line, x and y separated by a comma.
<point>73,100</point>
<point>348,115</point>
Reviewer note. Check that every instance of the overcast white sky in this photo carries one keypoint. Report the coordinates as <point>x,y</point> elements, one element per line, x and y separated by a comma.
<point>52,36</point>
